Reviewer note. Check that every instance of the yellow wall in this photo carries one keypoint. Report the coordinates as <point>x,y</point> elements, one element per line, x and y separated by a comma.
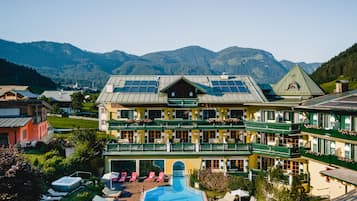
<point>319,185</point>
<point>190,164</point>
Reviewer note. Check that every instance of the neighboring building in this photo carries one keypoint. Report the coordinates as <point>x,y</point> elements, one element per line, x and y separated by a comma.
<point>61,98</point>
<point>331,128</point>
<point>22,117</point>
<point>222,123</point>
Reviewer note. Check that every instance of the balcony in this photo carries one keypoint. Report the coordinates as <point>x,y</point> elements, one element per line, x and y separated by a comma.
<point>267,127</point>
<point>182,102</point>
<point>172,124</point>
<point>177,149</point>
<point>347,135</point>
<point>330,159</point>
<point>276,151</point>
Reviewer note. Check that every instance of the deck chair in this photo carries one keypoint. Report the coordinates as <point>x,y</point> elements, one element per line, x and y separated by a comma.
<point>122,177</point>
<point>133,177</point>
<point>161,177</point>
<point>49,198</point>
<point>99,198</point>
<point>54,193</point>
<point>151,176</point>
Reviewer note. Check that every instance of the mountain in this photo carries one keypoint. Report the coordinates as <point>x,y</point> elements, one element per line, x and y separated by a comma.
<point>259,64</point>
<point>308,67</point>
<point>64,62</point>
<point>67,64</point>
<point>344,64</point>
<point>13,74</point>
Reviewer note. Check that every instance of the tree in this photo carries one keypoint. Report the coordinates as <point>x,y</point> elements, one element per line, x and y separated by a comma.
<point>77,101</point>
<point>18,180</point>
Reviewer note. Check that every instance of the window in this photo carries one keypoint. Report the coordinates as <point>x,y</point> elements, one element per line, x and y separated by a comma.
<point>190,94</point>
<point>348,123</point>
<point>207,114</point>
<point>237,114</point>
<point>102,122</point>
<point>236,164</point>
<point>154,135</point>
<point>215,164</point>
<point>270,115</point>
<point>348,149</point>
<point>102,110</point>
<point>182,114</point>
<point>24,134</point>
<point>126,114</point>
<point>288,116</point>
<point>153,114</point>
<point>332,148</point>
<point>315,144</point>
<point>173,94</point>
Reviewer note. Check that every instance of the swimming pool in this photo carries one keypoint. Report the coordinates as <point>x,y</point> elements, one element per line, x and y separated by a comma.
<point>177,192</point>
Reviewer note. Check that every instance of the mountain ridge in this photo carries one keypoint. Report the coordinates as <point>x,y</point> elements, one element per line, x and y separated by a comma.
<point>66,63</point>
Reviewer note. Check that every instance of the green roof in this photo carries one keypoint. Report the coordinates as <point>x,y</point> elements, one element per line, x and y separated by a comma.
<point>297,83</point>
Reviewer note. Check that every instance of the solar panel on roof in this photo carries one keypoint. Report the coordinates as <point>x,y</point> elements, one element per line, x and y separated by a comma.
<point>228,86</point>
<point>142,86</point>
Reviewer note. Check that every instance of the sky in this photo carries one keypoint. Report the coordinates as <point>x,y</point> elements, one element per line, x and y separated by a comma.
<point>296,30</point>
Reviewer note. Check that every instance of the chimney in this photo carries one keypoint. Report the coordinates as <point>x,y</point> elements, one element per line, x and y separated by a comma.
<point>341,86</point>
<point>224,76</point>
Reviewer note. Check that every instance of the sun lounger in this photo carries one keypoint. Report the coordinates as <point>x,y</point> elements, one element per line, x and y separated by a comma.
<point>151,177</point>
<point>161,177</point>
<point>54,193</point>
<point>133,177</point>
<point>99,198</point>
<point>122,177</point>
<point>48,198</point>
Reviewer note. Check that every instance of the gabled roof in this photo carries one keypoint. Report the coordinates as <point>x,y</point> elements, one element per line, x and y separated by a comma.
<point>297,83</point>
<point>60,96</point>
<point>200,89</point>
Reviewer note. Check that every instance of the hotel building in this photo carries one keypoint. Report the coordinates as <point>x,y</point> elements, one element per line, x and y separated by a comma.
<point>224,123</point>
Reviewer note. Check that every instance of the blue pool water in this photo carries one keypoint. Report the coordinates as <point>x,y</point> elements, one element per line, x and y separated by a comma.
<point>177,192</point>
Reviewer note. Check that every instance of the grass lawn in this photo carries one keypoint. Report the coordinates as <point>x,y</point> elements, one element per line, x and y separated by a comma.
<point>65,122</point>
<point>89,107</point>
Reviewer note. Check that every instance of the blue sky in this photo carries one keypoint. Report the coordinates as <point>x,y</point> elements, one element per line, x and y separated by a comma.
<point>300,30</point>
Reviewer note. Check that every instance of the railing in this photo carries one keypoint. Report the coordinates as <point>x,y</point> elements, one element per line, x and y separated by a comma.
<point>180,147</point>
<point>182,102</point>
<point>173,124</point>
<point>283,128</point>
<point>330,159</point>
<point>275,150</point>
<point>331,133</point>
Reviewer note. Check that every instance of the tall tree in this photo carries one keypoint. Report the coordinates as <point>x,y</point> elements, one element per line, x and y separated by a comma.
<point>77,101</point>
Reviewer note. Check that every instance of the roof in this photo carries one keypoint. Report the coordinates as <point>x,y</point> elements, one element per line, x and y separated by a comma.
<point>59,96</point>
<point>26,93</point>
<point>14,122</point>
<point>204,82</point>
<point>342,174</point>
<point>13,87</point>
<point>297,83</point>
<point>350,196</point>
<point>341,101</point>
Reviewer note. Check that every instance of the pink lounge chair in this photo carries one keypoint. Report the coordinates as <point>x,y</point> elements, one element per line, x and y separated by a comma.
<point>122,177</point>
<point>133,177</point>
<point>151,177</point>
<point>161,177</point>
